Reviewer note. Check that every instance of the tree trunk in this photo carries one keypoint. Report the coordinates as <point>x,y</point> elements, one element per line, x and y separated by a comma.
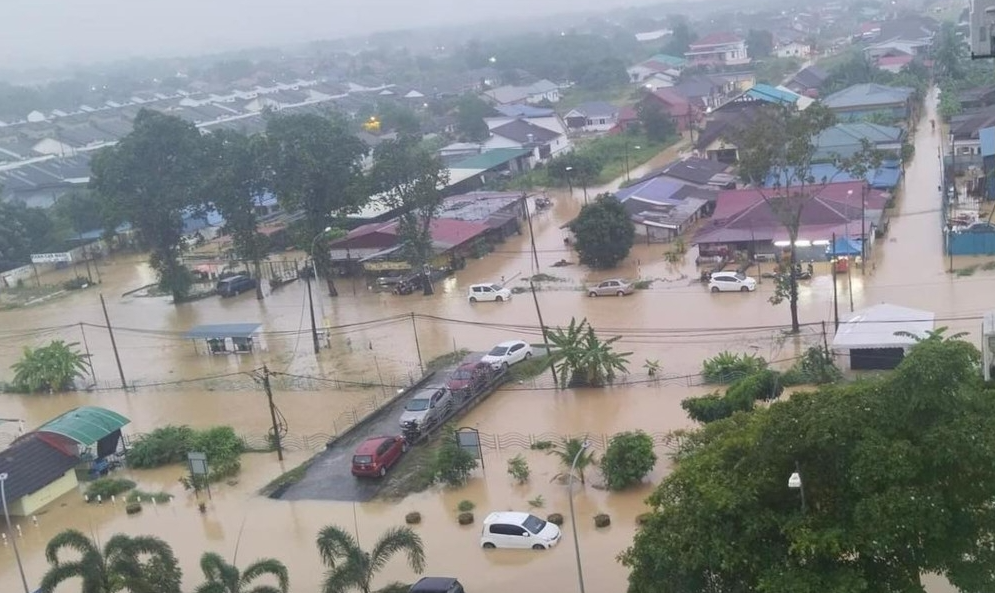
<point>332,291</point>
<point>259,279</point>
<point>793,279</point>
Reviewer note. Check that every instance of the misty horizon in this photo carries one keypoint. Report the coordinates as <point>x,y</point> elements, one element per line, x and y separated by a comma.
<point>56,33</point>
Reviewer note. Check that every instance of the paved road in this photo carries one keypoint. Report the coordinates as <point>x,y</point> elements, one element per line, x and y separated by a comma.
<point>329,476</point>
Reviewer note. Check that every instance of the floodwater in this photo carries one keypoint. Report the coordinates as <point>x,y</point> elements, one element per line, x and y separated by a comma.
<point>676,322</point>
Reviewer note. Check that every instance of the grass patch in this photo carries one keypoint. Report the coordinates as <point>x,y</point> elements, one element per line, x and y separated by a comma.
<point>158,497</point>
<point>968,271</point>
<point>642,284</point>
<point>279,485</point>
<point>413,473</point>
<point>619,95</point>
<point>446,360</point>
<point>108,487</point>
<point>533,367</point>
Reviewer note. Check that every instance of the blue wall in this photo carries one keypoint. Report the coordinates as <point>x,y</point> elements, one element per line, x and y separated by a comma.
<point>972,244</point>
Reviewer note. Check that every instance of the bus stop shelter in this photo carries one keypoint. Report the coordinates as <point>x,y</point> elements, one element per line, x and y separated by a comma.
<point>225,338</point>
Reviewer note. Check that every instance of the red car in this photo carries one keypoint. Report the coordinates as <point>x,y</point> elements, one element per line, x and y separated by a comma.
<point>469,378</point>
<point>376,454</point>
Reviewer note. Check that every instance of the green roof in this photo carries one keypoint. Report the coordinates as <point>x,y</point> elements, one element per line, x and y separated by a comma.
<point>86,424</point>
<point>491,158</point>
<point>668,59</point>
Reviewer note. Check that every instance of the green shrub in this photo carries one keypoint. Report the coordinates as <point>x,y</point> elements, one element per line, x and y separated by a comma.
<point>761,386</point>
<point>628,459</point>
<point>727,367</point>
<point>537,503</point>
<point>141,496</point>
<point>465,506</point>
<point>107,487</point>
<point>219,443</point>
<point>555,519</point>
<point>708,408</point>
<point>602,520</point>
<point>162,446</point>
<point>464,518</point>
<point>741,396</point>
<point>452,465</point>
<point>518,469</point>
<point>815,367</point>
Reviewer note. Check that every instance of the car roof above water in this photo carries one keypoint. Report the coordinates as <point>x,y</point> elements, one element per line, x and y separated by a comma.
<point>505,517</point>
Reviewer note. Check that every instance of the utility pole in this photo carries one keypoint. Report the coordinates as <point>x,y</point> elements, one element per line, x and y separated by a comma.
<point>310,301</point>
<point>532,237</point>
<point>836,304</point>
<point>542,328</point>
<point>414,328</point>
<point>110,332</point>
<point>863,227</point>
<point>86,348</point>
<point>272,414</point>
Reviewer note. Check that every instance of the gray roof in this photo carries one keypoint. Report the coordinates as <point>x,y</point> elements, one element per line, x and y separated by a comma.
<point>596,109</point>
<point>692,170</point>
<point>911,28</point>
<point>811,77</point>
<point>524,132</point>
<point>32,464</point>
<point>222,330</point>
<point>46,174</point>
<point>867,95</point>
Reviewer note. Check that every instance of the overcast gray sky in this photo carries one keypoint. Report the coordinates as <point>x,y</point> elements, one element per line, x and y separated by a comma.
<point>55,32</point>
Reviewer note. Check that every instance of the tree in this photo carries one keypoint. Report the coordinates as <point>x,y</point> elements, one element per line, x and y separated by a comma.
<point>628,459</point>
<point>951,51</point>
<point>227,578</point>
<point>452,465</point>
<point>233,181</point>
<point>759,43</point>
<point>140,564</point>
<point>470,113</point>
<point>896,478</point>
<point>568,449</point>
<point>411,179</point>
<point>681,39</point>
<point>315,166</point>
<point>582,359</point>
<point>776,155</point>
<point>82,211</point>
<point>657,124</point>
<point>603,74</point>
<point>581,168</point>
<point>603,233</point>
<point>350,567</point>
<point>150,178</point>
<point>50,368</point>
<point>399,118</point>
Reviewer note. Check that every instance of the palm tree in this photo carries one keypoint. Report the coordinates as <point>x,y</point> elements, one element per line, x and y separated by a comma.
<point>584,360</point>
<point>350,567</point>
<point>932,335</point>
<point>49,368</point>
<point>141,564</point>
<point>226,578</point>
<point>567,450</point>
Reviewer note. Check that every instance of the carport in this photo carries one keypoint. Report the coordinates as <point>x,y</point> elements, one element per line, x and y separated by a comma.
<point>225,338</point>
<point>868,337</point>
<point>89,432</point>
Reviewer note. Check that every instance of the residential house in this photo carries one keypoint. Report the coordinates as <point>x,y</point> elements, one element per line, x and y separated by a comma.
<point>458,151</point>
<point>807,81</point>
<point>473,172</point>
<point>793,49</point>
<point>885,178</point>
<point>765,93</point>
<point>846,139</point>
<point>536,92</point>
<point>521,133</point>
<point>716,138</point>
<point>660,70</point>
<point>705,92</point>
<point>744,220</point>
<point>896,47</point>
<point>662,208</point>
<point>909,27</point>
<point>699,172</point>
<point>675,105</point>
<point>862,101</point>
<point>732,82</point>
<point>719,48</point>
<point>500,212</point>
<point>539,116</point>
<point>977,97</point>
<point>598,116</point>
<point>964,135</point>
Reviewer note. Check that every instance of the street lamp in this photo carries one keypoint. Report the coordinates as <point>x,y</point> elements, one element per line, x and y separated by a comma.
<point>310,297</point>
<point>573,519</point>
<point>569,182</point>
<point>10,530</point>
<point>795,483</point>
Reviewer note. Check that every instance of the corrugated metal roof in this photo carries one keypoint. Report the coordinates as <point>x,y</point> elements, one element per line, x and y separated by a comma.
<point>31,464</point>
<point>490,159</point>
<point>222,330</point>
<point>86,424</point>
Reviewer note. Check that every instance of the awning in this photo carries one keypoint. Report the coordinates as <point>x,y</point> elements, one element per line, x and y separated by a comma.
<point>86,425</point>
<point>221,331</point>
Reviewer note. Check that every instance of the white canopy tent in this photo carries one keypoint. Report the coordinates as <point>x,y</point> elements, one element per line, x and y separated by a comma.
<point>869,336</point>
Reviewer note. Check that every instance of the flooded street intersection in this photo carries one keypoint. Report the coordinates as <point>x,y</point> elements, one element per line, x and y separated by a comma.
<point>374,350</point>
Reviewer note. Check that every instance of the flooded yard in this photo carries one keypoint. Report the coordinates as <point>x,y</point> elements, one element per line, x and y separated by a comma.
<point>381,341</point>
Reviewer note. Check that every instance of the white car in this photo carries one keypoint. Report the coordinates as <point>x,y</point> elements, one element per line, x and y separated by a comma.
<point>488,292</point>
<point>518,530</point>
<point>731,282</point>
<point>506,354</point>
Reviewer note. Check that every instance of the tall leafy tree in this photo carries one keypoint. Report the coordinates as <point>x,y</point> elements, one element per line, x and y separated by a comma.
<point>759,43</point>
<point>656,123</point>
<point>603,233</point>
<point>222,577</point>
<point>50,368</point>
<point>576,168</point>
<point>352,568</point>
<point>582,359</point>
<point>897,475</point>
<point>470,113</point>
<point>140,564</point>
<point>315,166</point>
<point>151,178</point>
<point>411,178</point>
<point>681,39</point>
<point>233,180</point>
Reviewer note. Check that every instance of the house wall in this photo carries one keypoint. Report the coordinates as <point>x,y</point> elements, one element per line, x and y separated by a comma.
<point>500,142</point>
<point>793,50</point>
<point>552,96</point>
<point>729,54</point>
<point>897,111</point>
<point>30,504</point>
<point>601,124</point>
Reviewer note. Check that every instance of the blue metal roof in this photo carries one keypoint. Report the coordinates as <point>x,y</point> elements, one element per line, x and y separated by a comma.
<point>222,330</point>
<point>657,189</point>
<point>987,137</point>
<point>880,178</point>
<point>765,92</point>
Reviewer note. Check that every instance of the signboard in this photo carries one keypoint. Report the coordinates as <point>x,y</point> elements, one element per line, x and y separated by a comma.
<point>198,463</point>
<point>469,440</point>
<point>51,258</point>
<point>380,266</point>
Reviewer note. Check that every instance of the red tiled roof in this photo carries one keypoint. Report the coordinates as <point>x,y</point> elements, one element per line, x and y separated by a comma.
<point>672,98</point>
<point>716,38</point>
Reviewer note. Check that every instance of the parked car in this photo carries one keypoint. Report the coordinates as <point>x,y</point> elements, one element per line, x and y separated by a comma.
<point>426,407</point>
<point>436,585</point>
<point>375,455</point>
<point>488,292</point>
<point>613,287</point>
<point>470,378</point>
<point>731,282</point>
<point>508,353</point>
<point>235,285</point>
<point>518,530</point>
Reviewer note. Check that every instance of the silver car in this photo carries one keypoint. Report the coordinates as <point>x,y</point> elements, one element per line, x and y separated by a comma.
<point>613,287</point>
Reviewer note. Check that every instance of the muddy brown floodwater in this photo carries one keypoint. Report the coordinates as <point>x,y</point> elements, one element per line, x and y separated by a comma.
<point>676,322</point>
